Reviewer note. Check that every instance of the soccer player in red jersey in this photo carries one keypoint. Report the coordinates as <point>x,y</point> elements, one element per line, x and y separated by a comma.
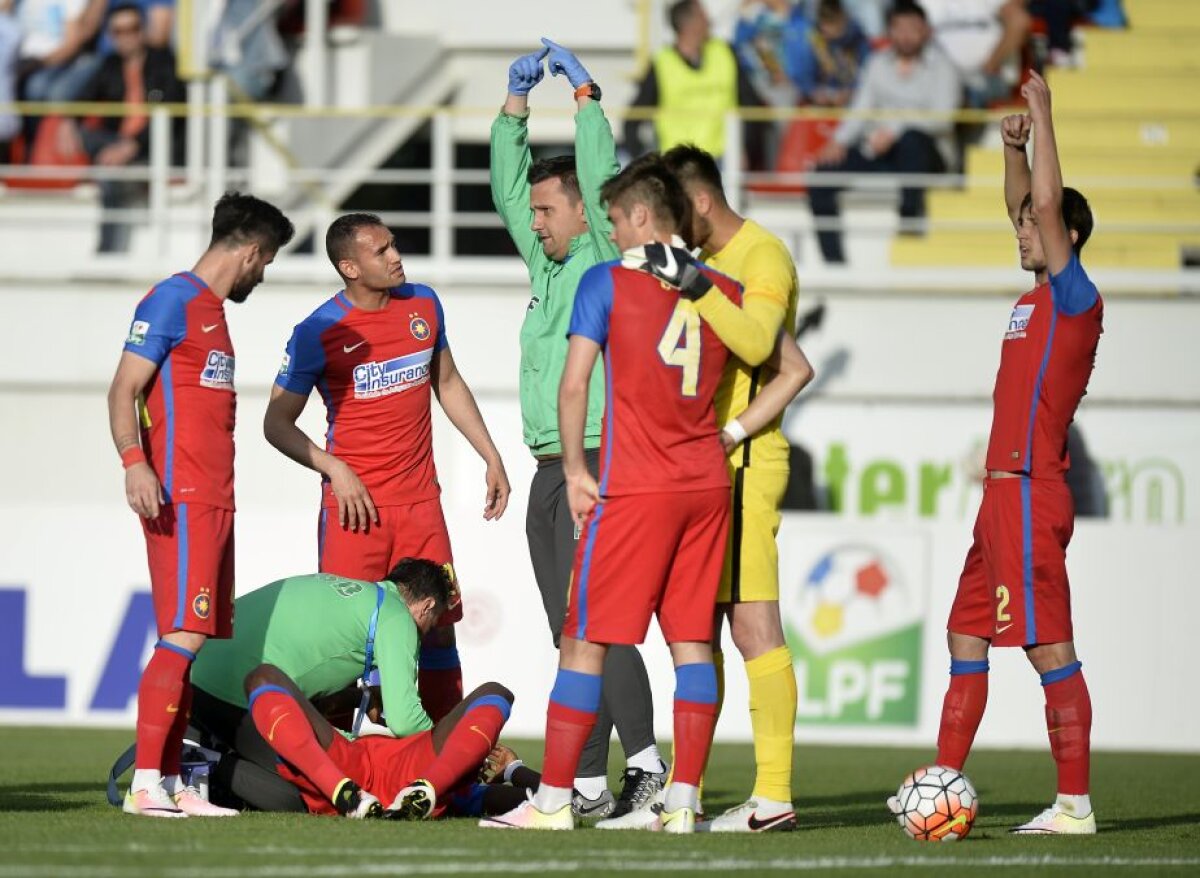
<point>171,411</point>
<point>654,527</point>
<point>1013,590</point>
<point>375,352</point>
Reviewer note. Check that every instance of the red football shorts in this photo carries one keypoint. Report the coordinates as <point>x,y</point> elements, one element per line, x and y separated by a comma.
<point>643,554</point>
<point>1013,590</point>
<point>417,530</point>
<point>190,549</point>
<point>379,764</point>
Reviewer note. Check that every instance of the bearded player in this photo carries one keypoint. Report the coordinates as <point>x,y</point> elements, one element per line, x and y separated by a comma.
<point>171,411</point>
<point>1013,590</point>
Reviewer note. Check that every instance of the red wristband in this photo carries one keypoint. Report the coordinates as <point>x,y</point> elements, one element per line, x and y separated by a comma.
<point>132,455</point>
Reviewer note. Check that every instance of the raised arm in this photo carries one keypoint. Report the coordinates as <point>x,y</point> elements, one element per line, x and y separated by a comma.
<point>459,405</point>
<point>1047,185</point>
<point>510,158</point>
<point>1014,131</point>
<point>792,373</point>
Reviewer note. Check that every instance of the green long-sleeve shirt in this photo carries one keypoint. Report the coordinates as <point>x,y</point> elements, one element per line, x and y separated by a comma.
<point>544,332</point>
<point>314,629</point>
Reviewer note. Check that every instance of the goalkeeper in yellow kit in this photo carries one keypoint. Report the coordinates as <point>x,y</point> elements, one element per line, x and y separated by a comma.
<point>768,372</point>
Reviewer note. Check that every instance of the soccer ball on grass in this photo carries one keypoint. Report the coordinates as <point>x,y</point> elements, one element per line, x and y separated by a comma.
<point>935,803</point>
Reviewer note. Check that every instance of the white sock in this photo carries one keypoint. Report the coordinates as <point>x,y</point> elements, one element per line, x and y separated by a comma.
<point>591,787</point>
<point>549,799</point>
<point>681,795</point>
<point>647,760</point>
<point>1076,806</point>
<point>173,784</point>
<point>144,779</point>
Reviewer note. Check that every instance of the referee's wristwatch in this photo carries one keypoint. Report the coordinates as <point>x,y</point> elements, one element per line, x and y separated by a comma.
<point>588,90</point>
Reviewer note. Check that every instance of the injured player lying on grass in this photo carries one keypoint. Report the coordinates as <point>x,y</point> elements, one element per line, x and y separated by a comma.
<point>457,767</point>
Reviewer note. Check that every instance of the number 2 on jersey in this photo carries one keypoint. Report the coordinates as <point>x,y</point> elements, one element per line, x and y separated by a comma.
<point>680,346</point>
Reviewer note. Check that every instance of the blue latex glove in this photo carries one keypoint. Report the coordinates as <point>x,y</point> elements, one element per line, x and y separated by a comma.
<point>526,72</point>
<point>564,62</point>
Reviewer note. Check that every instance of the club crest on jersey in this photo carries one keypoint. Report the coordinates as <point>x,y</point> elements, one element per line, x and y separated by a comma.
<point>137,332</point>
<point>202,605</point>
<point>392,376</point>
<point>419,327</point>
<point>1018,322</point>
<point>218,371</point>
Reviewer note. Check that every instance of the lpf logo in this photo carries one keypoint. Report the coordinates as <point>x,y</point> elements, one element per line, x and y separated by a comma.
<point>854,614</point>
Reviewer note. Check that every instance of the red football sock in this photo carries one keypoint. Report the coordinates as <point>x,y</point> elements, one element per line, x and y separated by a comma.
<point>694,725</point>
<point>1069,723</point>
<point>567,730</point>
<point>285,727</point>
<point>962,711</point>
<point>160,701</point>
<point>174,745</point>
<point>468,743</point>
<point>441,689</point>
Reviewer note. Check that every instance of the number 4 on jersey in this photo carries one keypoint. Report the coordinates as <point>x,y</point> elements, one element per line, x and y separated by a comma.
<point>680,345</point>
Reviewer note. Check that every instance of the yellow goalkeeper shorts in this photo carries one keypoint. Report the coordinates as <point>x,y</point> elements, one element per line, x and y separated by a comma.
<point>752,557</point>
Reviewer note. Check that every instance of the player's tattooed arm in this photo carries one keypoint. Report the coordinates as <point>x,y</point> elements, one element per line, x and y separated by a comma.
<point>142,489</point>
<point>355,507</point>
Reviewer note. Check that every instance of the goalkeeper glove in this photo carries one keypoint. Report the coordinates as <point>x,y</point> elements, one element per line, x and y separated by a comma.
<point>526,72</point>
<point>676,267</point>
<point>562,60</point>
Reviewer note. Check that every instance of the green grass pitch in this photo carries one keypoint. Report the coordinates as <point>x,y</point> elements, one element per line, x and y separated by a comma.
<point>54,821</point>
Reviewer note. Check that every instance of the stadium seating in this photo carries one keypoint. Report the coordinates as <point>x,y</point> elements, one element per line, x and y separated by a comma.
<point>1129,138</point>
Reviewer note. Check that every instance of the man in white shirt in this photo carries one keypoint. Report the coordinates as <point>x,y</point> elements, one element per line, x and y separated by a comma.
<point>984,39</point>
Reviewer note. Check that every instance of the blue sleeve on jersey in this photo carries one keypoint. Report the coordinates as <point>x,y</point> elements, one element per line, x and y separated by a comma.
<point>470,802</point>
<point>159,323</point>
<point>593,304</point>
<point>304,359</point>
<point>1072,290</point>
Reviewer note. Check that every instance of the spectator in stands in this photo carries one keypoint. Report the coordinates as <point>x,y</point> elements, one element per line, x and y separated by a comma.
<point>249,49</point>
<point>695,83</point>
<point>1060,17</point>
<point>870,16</point>
<point>56,60</point>
<point>10,44</point>
<point>911,75</point>
<point>768,39</point>
<point>831,57</point>
<point>134,74</point>
<point>159,17</point>
<point>984,39</point>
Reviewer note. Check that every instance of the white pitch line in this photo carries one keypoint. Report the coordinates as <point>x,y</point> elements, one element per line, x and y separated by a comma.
<point>727,864</point>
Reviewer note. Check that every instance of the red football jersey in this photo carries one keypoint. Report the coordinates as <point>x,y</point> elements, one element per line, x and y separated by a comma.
<point>188,407</point>
<point>662,365</point>
<point>372,369</point>
<point>1045,363</point>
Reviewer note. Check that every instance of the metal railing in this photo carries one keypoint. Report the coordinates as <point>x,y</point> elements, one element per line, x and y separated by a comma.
<point>179,197</point>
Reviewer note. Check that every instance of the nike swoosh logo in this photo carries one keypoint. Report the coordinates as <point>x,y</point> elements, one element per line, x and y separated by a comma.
<point>1005,628</point>
<point>757,825</point>
<point>348,348</point>
<point>172,708</point>
<point>209,328</point>
<point>583,809</point>
<point>271,733</point>
<point>960,820</point>
<point>670,268</point>
<point>483,735</point>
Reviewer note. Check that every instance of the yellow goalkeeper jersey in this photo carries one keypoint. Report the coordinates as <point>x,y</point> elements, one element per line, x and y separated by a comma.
<point>764,267</point>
